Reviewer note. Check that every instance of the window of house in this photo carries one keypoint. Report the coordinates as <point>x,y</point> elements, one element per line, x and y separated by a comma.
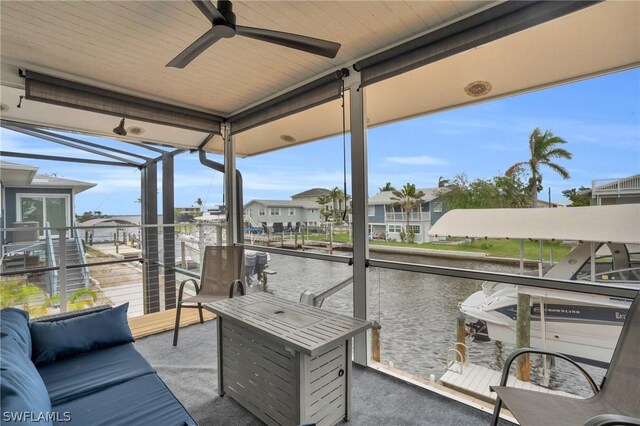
<point>394,228</point>
<point>437,207</point>
<point>274,211</point>
<point>415,229</point>
<point>372,210</point>
<point>262,212</point>
<point>292,212</point>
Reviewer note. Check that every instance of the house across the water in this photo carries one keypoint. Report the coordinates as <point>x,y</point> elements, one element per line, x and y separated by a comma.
<point>387,219</point>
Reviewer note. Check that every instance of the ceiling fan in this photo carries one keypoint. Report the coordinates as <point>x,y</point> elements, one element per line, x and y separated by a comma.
<point>223,22</point>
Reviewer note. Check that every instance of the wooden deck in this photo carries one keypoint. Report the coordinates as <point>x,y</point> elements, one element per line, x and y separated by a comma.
<point>160,322</point>
<point>475,380</point>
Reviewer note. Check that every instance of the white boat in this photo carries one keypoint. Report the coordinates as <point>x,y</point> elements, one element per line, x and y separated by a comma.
<point>607,253</point>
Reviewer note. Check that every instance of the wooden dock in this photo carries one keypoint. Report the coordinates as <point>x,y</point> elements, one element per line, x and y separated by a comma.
<point>475,380</point>
<point>159,322</point>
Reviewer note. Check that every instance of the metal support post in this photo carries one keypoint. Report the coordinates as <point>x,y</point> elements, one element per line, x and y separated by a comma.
<point>230,188</point>
<point>150,248</point>
<point>169,236</point>
<point>359,184</point>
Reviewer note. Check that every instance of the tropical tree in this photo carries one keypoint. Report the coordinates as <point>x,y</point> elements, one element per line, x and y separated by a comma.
<point>323,200</point>
<point>543,149</point>
<point>495,192</point>
<point>199,203</point>
<point>408,197</point>
<point>387,187</point>
<point>335,196</point>
<point>442,182</point>
<point>577,196</point>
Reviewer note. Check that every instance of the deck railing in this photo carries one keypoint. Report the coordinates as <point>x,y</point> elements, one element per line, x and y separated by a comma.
<point>402,216</point>
<point>630,185</point>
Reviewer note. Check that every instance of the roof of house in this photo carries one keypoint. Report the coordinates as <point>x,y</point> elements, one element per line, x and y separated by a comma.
<point>306,204</point>
<point>14,174</point>
<point>21,175</point>
<point>385,197</point>
<point>45,181</point>
<point>313,192</point>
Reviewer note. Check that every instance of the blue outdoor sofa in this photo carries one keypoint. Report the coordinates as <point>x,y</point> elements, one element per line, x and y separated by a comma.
<point>80,369</point>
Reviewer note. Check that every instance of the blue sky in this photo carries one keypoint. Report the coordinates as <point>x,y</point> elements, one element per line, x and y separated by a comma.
<point>599,118</point>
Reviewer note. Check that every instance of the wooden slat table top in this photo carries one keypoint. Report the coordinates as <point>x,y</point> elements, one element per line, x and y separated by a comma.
<point>306,329</point>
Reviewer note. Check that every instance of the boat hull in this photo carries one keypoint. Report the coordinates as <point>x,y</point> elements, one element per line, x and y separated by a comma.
<point>583,326</point>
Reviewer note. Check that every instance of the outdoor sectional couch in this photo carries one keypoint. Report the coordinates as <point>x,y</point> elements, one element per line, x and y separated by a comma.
<point>80,369</point>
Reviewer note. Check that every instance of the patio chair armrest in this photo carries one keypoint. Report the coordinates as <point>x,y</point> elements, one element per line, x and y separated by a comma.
<point>71,314</point>
<point>240,286</point>
<point>613,419</point>
<point>515,354</point>
<point>183,283</point>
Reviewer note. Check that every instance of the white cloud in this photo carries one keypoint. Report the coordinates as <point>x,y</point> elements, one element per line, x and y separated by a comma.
<point>422,160</point>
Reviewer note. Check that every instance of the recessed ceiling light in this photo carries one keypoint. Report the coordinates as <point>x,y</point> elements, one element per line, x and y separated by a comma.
<point>135,130</point>
<point>4,107</point>
<point>478,88</point>
<point>287,138</point>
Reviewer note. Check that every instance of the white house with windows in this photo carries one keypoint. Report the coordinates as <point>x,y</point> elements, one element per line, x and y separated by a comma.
<point>282,214</point>
<point>387,219</point>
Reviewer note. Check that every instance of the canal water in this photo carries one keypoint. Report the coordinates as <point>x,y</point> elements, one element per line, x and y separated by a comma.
<point>417,312</point>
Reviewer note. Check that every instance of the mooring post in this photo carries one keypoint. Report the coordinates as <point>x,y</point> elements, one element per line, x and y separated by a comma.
<point>461,348</point>
<point>523,336</point>
<point>375,341</point>
<point>295,243</point>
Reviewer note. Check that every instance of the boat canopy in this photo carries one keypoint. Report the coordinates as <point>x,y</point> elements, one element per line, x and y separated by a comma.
<point>617,223</point>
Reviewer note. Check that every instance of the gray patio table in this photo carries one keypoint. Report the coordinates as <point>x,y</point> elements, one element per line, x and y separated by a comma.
<point>285,362</point>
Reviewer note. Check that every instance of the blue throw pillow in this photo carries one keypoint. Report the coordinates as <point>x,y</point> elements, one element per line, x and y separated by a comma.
<point>15,323</point>
<point>52,341</point>
<point>23,396</point>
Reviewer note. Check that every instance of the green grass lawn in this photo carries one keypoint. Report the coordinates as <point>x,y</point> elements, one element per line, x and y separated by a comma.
<point>495,248</point>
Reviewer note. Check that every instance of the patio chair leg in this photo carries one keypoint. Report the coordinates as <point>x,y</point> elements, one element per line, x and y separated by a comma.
<point>200,312</point>
<point>177,327</point>
<point>496,411</point>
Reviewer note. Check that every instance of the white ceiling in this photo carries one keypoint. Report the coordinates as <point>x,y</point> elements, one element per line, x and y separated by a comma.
<point>124,46</point>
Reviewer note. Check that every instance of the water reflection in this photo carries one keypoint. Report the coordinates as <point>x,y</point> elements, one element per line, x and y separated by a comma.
<point>417,312</point>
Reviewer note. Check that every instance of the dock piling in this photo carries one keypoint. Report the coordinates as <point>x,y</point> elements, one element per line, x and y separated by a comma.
<point>461,348</point>
<point>375,341</point>
<point>523,336</point>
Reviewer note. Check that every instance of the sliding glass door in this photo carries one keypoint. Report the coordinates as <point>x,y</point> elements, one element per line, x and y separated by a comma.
<point>53,210</point>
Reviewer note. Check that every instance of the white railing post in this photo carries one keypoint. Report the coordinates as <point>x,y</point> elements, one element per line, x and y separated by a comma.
<point>62,277</point>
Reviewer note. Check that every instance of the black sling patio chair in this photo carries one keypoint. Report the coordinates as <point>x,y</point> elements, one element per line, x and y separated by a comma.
<point>617,402</point>
<point>220,279</point>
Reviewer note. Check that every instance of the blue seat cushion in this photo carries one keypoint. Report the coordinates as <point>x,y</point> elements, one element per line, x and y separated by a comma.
<point>145,400</point>
<point>53,341</point>
<point>23,396</point>
<point>92,371</point>
<point>15,323</point>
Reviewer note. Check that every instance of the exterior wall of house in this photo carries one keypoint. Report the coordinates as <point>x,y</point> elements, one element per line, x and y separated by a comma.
<point>11,207</point>
<point>300,215</point>
<point>378,216</point>
<point>612,200</point>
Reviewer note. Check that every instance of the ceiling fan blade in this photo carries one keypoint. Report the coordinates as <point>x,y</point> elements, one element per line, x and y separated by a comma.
<point>320,47</point>
<point>209,10</point>
<point>196,48</point>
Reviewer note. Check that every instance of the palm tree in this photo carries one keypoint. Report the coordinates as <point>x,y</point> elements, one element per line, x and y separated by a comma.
<point>199,203</point>
<point>442,182</point>
<point>387,187</point>
<point>408,198</point>
<point>323,200</point>
<point>335,195</point>
<point>543,148</point>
